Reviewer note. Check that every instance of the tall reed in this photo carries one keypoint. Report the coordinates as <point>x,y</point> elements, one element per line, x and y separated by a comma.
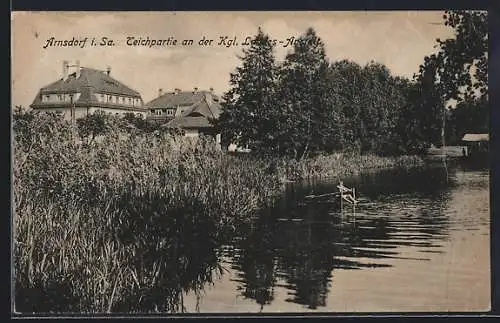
<point>128,223</point>
<point>339,165</point>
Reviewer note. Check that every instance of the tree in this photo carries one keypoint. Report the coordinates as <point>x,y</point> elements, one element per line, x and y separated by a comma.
<point>303,88</point>
<point>430,101</point>
<point>411,134</point>
<point>463,60</point>
<point>365,104</point>
<point>458,71</point>
<point>96,124</point>
<point>346,90</point>
<point>247,110</point>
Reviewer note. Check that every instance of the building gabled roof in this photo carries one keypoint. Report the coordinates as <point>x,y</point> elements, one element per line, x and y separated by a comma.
<point>171,100</point>
<point>188,122</point>
<point>476,137</point>
<point>99,80</point>
<point>203,108</point>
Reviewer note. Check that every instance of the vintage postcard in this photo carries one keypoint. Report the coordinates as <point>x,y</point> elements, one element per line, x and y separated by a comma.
<point>250,162</point>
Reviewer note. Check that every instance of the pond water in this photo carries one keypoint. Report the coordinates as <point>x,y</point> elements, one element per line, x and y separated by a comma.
<point>417,241</point>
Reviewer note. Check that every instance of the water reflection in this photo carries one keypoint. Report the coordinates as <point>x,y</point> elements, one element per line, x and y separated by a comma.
<point>254,260</point>
<point>299,245</point>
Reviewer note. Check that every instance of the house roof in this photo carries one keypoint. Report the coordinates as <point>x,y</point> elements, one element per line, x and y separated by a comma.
<point>198,116</point>
<point>205,109</point>
<point>188,122</point>
<point>476,137</point>
<point>99,80</point>
<point>170,100</point>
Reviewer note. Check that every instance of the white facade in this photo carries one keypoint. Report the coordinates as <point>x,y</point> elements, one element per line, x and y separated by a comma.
<point>61,97</point>
<point>118,99</point>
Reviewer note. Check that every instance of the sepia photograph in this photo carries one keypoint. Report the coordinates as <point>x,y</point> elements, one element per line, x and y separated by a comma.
<point>232,162</point>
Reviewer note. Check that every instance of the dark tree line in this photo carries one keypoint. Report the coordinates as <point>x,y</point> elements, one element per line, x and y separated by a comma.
<point>307,105</point>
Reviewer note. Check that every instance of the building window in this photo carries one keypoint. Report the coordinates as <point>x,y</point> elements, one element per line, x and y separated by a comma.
<point>59,97</point>
<point>130,102</point>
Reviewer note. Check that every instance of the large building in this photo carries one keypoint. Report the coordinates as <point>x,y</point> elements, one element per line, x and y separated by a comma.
<point>81,91</point>
<point>191,111</point>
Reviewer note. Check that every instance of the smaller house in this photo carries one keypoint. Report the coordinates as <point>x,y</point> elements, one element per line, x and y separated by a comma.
<point>191,111</point>
<point>476,143</point>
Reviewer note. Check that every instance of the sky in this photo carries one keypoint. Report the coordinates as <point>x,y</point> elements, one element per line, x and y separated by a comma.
<point>398,39</point>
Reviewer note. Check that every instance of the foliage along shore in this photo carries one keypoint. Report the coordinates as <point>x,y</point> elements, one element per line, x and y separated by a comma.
<point>340,165</point>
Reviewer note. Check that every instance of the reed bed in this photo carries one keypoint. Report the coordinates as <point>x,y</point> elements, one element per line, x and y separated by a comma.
<point>126,224</point>
<point>340,165</point>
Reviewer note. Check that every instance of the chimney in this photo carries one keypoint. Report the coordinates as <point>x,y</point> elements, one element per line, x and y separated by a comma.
<point>195,90</point>
<point>77,65</point>
<point>211,90</point>
<point>177,91</point>
<point>160,92</point>
<point>108,70</point>
<point>65,70</point>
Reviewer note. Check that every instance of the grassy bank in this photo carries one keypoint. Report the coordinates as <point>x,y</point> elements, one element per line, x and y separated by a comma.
<point>128,223</point>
